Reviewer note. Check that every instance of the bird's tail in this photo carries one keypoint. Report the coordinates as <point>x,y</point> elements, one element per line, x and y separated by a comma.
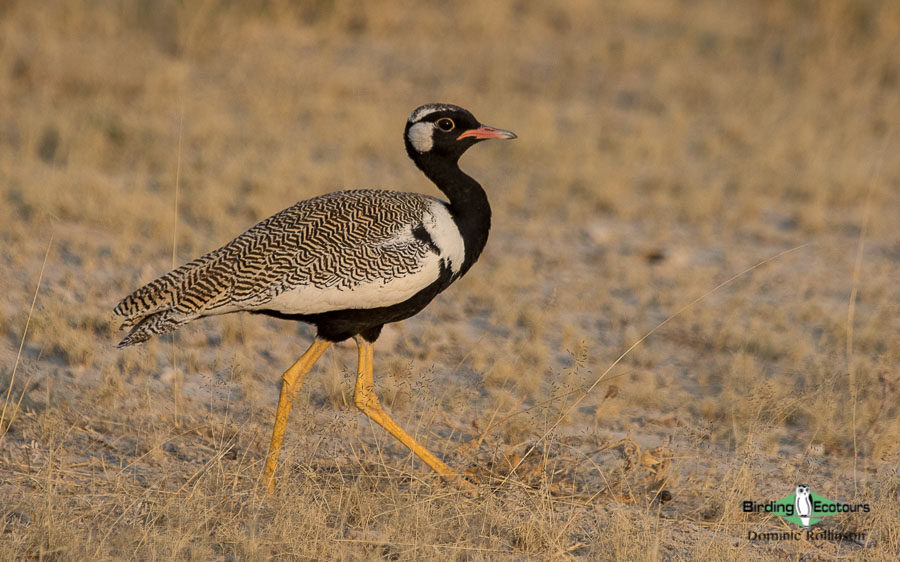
<point>805,521</point>
<point>152,325</point>
<point>162,305</point>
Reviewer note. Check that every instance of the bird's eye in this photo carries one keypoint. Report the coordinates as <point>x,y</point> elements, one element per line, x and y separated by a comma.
<point>445,124</point>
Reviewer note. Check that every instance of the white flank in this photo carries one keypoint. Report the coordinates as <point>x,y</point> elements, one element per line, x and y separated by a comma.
<point>312,300</point>
<point>445,234</point>
<point>309,299</point>
<point>420,135</point>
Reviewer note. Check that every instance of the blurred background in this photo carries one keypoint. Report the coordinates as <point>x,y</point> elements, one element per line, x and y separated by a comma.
<point>664,147</point>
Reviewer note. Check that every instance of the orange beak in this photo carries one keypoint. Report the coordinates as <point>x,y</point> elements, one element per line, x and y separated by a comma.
<point>485,132</point>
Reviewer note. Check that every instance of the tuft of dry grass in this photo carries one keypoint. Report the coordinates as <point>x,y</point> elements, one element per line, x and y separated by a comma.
<point>663,148</point>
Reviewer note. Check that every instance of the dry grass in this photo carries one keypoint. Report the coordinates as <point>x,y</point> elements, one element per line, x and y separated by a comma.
<point>664,147</point>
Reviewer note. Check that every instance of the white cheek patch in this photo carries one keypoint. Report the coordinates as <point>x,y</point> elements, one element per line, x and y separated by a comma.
<point>420,136</point>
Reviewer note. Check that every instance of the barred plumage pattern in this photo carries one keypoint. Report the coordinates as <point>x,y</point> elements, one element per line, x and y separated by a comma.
<point>339,240</point>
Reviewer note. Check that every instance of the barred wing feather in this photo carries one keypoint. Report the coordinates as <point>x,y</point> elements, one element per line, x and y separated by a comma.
<point>349,249</point>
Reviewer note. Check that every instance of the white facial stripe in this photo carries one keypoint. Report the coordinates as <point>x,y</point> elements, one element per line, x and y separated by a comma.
<point>420,135</point>
<point>422,112</point>
<point>427,110</point>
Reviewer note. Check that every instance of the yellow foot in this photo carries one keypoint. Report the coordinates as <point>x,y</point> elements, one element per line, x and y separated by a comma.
<point>290,386</point>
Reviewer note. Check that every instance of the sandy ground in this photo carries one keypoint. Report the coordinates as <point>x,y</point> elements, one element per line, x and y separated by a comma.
<point>689,298</point>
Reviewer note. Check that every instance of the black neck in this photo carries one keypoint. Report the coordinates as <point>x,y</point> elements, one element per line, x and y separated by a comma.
<point>468,201</point>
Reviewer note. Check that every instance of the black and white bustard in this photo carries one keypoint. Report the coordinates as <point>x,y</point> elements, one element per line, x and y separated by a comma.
<point>347,262</point>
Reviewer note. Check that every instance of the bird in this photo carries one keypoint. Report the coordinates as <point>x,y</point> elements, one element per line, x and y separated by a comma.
<point>802,504</point>
<point>346,262</point>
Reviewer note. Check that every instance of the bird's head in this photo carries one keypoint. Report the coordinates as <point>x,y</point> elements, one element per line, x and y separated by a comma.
<point>446,131</point>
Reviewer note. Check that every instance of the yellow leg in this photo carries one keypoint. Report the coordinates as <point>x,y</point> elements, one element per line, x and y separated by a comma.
<point>291,381</point>
<point>367,401</point>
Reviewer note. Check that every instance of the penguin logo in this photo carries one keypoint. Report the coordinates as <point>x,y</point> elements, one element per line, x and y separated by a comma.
<point>803,504</point>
